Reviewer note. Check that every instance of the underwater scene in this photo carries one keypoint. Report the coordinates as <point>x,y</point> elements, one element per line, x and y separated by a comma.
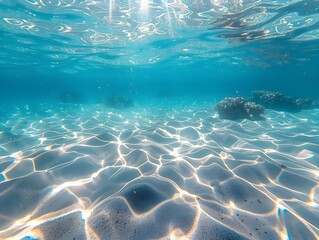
<point>159,119</point>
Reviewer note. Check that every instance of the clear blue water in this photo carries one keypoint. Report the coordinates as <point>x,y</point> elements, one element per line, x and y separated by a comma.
<point>151,47</point>
<point>75,167</point>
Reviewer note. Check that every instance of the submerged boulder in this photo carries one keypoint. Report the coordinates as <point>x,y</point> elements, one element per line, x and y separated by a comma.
<point>280,102</point>
<point>118,102</point>
<point>239,108</point>
<point>307,103</point>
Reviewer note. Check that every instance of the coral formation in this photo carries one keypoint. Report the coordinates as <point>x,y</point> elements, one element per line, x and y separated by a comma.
<point>280,102</point>
<point>118,102</point>
<point>307,103</point>
<point>239,108</point>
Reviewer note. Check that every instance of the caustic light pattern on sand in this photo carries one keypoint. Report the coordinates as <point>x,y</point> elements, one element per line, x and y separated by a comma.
<point>86,173</point>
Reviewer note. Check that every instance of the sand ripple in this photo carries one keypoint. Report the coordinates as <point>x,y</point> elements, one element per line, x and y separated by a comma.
<point>88,173</point>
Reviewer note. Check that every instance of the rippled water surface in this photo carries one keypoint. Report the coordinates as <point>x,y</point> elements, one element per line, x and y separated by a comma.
<point>112,32</point>
<point>161,164</point>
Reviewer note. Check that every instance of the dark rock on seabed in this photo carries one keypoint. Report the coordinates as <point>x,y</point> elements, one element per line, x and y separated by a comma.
<point>239,108</point>
<point>280,102</point>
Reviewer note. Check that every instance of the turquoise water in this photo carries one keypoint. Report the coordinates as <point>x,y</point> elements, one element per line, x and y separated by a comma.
<point>108,127</point>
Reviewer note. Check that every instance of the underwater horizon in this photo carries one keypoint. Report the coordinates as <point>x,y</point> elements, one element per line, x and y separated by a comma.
<point>159,119</point>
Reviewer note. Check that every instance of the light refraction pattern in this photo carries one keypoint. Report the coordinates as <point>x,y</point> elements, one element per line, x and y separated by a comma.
<point>71,35</point>
<point>146,173</point>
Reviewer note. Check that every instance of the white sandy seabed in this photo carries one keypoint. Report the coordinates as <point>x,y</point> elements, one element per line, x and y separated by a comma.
<point>88,172</point>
